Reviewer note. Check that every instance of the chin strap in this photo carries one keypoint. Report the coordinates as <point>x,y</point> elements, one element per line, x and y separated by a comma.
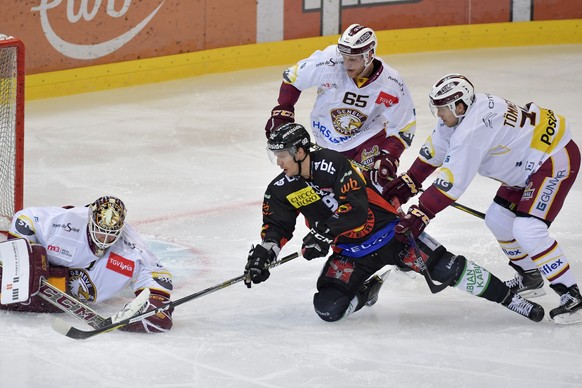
<point>299,163</point>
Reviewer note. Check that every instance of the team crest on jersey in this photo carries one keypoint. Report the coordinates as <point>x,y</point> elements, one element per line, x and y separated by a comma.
<point>445,180</point>
<point>341,270</point>
<point>303,197</point>
<point>528,192</point>
<point>347,121</point>
<point>81,286</point>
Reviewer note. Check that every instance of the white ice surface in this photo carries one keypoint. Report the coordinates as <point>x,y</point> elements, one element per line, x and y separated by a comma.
<point>188,159</point>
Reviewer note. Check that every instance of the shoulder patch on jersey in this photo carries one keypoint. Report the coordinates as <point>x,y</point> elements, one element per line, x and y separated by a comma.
<point>24,226</point>
<point>290,75</point>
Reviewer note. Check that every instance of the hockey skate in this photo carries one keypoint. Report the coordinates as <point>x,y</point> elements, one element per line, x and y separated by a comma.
<point>570,309</point>
<point>371,288</point>
<point>529,284</point>
<point>522,306</point>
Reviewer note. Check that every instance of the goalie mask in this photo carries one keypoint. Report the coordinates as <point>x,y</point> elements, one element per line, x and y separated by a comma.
<point>106,222</point>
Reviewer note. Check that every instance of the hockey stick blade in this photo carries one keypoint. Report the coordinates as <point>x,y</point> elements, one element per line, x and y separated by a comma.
<point>70,331</point>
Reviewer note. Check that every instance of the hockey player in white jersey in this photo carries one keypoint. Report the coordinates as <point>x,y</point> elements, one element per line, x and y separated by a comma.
<point>530,151</point>
<point>363,107</point>
<point>96,255</point>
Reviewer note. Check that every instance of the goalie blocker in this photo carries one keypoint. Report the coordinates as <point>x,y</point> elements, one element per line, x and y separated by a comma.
<point>24,266</point>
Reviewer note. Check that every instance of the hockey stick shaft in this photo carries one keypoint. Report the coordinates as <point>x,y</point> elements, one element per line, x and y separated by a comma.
<point>456,205</point>
<point>434,287</point>
<point>72,332</point>
<point>69,304</point>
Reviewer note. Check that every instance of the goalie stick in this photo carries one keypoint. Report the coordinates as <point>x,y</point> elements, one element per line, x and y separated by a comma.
<point>84,313</point>
<point>70,331</point>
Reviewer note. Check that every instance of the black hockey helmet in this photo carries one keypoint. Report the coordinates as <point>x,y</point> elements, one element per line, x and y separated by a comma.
<point>289,137</point>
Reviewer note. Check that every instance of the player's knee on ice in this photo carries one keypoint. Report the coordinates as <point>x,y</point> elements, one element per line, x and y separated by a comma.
<point>331,304</point>
<point>446,265</point>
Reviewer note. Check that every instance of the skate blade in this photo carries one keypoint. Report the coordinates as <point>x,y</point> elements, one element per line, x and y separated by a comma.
<point>533,293</point>
<point>568,319</point>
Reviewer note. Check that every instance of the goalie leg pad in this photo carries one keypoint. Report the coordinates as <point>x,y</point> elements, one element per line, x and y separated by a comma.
<point>332,304</point>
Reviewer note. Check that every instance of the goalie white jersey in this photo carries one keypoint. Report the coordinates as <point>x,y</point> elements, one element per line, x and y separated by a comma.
<point>346,114</point>
<point>63,232</point>
<point>496,139</point>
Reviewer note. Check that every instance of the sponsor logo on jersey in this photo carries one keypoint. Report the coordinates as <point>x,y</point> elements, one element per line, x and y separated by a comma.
<point>547,134</point>
<point>426,151</point>
<point>347,121</point>
<point>329,62</point>
<point>303,197</point>
<point>488,119</point>
<point>445,180</point>
<point>387,99</point>
<point>547,269</point>
<point>328,85</point>
<point>323,131</point>
<point>367,156</point>
<point>546,195</point>
<point>24,226</point>
<point>350,185</point>
<point>59,250</point>
<point>67,227</point>
<point>266,209</point>
<point>120,264</point>
<point>364,230</point>
<point>81,286</point>
<point>164,279</point>
<point>325,166</point>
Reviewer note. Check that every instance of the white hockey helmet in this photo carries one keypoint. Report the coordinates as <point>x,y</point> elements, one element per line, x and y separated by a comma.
<point>449,90</point>
<point>358,40</point>
<point>106,221</point>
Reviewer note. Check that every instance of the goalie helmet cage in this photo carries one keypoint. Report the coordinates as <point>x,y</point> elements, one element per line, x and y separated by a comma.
<point>11,128</point>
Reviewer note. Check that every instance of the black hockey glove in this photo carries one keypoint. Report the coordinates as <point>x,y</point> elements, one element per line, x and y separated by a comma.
<point>403,187</point>
<point>414,222</point>
<point>384,170</point>
<point>317,242</point>
<point>260,257</point>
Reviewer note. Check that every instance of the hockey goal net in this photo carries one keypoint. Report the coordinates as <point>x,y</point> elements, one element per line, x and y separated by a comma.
<point>11,128</point>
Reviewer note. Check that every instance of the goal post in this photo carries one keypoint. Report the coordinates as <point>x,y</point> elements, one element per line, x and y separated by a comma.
<point>11,128</point>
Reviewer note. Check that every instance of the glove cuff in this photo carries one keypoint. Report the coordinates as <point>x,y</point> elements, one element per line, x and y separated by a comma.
<point>272,247</point>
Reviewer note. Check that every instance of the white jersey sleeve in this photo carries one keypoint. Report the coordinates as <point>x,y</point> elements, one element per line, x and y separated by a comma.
<point>347,113</point>
<point>63,233</point>
<point>496,139</point>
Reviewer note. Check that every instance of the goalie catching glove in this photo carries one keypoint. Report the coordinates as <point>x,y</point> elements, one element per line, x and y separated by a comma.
<point>260,258</point>
<point>317,242</point>
<point>157,323</point>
